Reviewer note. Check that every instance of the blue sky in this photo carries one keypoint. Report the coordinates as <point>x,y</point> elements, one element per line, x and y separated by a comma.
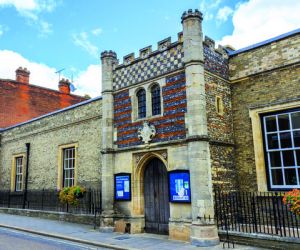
<point>47,35</point>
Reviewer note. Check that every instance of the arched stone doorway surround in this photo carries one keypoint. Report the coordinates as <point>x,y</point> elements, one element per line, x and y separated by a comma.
<point>142,161</point>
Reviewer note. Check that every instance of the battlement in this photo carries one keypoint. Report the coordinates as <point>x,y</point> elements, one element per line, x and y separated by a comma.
<point>108,53</point>
<point>210,43</point>
<point>190,13</point>
<point>146,52</point>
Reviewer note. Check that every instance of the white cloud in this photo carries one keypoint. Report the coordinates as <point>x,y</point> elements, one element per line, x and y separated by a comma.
<point>89,81</point>
<point>82,40</point>
<point>86,82</point>
<point>97,31</point>
<point>207,6</point>
<point>224,13</point>
<point>258,20</point>
<point>30,5</point>
<point>31,10</point>
<point>45,28</point>
<point>20,5</point>
<point>1,30</point>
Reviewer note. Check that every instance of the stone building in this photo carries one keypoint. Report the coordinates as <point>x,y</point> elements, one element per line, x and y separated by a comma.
<point>229,119</point>
<point>21,101</point>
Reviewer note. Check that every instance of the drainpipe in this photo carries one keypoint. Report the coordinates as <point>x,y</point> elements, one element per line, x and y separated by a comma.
<point>26,175</point>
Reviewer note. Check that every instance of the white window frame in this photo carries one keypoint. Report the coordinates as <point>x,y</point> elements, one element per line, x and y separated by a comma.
<point>280,149</point>
<point>69,164</point>
<point>19,173</point>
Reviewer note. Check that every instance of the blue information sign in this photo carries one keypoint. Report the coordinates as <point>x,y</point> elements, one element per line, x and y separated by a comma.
<point>122,187</point>
<point>180,188</point>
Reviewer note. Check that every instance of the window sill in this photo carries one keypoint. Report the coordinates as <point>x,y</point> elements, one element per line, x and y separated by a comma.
<point>147,118</point>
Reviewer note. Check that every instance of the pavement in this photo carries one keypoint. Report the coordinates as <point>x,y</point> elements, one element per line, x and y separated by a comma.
<point>13,239</point>
<point>85,234</point>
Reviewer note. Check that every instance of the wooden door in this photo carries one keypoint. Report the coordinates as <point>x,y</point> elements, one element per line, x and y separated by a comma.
<point>157,210</point>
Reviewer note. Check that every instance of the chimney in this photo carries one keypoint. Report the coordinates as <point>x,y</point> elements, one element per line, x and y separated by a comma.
<point>22,75</point>
<point>64,86</point>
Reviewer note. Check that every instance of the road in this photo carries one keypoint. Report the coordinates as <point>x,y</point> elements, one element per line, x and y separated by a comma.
<point>14,240</point>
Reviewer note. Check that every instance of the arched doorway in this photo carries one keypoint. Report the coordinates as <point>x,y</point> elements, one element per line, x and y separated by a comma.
<point>156,198</point>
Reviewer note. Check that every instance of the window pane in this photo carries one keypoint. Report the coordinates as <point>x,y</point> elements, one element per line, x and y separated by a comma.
<point>284,122</point>
<point>275,159</point>
<point>155,92</point>
<point>290,176</point>
<point>288,158</point>
<point>141,96</point>
<point>69,164</point>
<point>298,157</point>
<point>295,120</point>
<point>296,135</point>
<point>286,140</point>
<point>277,177</point>
<point>271,124</point>
<point>272,141</point>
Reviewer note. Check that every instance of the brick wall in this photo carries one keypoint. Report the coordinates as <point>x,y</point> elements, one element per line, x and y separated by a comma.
<point>273,55</point>
<point>223,168</point>
<point>170,126</point>
<point>266,89</point>
<point>20,102</point>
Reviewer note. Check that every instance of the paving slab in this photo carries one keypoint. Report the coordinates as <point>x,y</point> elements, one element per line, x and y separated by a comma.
<point>87,234</point>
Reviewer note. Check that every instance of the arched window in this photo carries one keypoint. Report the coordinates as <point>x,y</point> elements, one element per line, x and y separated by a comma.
<point>155,95</point>
<point>141,97</point>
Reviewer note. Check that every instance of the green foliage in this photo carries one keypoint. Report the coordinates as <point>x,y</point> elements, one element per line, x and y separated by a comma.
<point>71,195</point>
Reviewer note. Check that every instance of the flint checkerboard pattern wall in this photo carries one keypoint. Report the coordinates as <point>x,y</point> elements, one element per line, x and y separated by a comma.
<point>169,126</point>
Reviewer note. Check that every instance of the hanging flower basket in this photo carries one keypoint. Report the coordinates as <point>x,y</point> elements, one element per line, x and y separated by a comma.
<point>292,200</point>
<point>71,195</point>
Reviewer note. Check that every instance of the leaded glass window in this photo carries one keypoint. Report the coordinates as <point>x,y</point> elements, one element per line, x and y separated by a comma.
<point>141,97</point>
<point>155,95</point>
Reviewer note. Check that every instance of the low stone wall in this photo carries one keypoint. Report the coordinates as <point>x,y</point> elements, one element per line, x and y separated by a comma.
<point>265,241</point>
<point>61,216</point>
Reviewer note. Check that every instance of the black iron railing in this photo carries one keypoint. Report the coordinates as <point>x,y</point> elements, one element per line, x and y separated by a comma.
<point>48,200</point>
<point>255,212</point>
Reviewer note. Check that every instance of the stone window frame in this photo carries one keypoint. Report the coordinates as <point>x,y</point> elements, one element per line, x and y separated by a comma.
<point>255,116</point>
<point>147,86</point>
<point>282,149</point>
<point>219,105</point>
<point>14,173</point>
<point>60,169</point>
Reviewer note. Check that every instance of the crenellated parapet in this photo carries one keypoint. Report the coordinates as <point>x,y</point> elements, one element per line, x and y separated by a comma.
<point>191,14</point>
<point>215,59</point>
<point>108,53</point>
<point>168,57</point>
<point>146,52</point>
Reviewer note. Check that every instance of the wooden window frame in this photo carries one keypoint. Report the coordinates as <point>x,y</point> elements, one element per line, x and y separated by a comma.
<point>13,181</point>
<point>60,174</point>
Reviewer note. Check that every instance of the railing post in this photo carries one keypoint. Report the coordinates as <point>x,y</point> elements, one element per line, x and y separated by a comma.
<point>276,219</point>
<point>42,199</point>
<point>254,213</point>
<point>8,199</point>
<point>90,201</point>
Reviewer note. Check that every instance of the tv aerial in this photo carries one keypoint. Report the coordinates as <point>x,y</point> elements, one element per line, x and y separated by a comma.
<point>59,73</point>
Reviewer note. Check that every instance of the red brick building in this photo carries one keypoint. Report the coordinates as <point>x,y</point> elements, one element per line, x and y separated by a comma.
<point>21,101</point>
